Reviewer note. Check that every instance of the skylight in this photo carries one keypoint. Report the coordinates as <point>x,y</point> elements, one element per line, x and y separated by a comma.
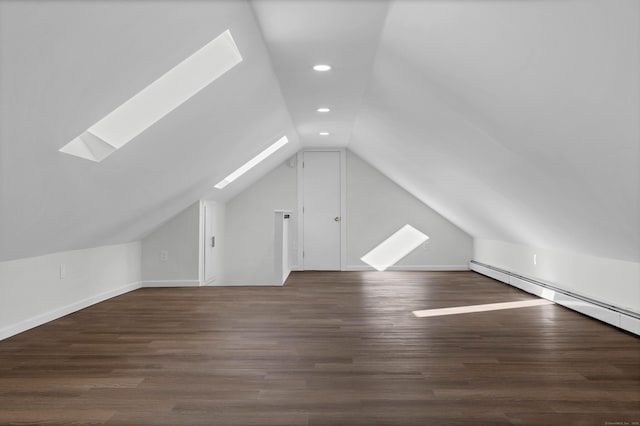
<point>156,100</point>
<point>251,163</point>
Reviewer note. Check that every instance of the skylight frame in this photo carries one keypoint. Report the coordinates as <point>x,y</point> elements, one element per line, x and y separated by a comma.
<point>156,100</point>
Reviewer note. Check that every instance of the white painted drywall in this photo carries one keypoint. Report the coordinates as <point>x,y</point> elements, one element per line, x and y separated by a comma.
<point>517,121</point>
<point>248,250</point>
<point>377,208</point>
<point>180,238</point>
<point>609,281</point>
<point>33,293</point>
<point>55,84</point>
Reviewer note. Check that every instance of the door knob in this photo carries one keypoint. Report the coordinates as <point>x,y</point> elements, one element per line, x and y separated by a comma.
<point>337,218</point>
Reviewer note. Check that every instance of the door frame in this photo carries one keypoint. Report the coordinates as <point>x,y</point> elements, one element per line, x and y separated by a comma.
<point>343,204</point>
<point>201,243</point>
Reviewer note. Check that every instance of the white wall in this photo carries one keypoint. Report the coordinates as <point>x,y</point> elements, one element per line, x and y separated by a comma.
<point>56,84</point>
<point>180,238</point>
<point>377,208</point>
<point>33,293</point>
<point>248,250</point>
<point>512,133</point>
<point>610,281</point>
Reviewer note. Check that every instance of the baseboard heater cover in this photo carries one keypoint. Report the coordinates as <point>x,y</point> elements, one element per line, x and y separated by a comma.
<point>410,268</point>
<point>610,314</point>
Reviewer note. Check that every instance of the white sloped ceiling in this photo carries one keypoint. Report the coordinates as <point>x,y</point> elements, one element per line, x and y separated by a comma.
<point>518,121</point>
<point>343,34</point>
<point>67,64</point>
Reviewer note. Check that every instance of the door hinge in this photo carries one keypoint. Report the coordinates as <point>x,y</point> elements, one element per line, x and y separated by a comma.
<point>302,209</point>
<point>302,253</point>
<point>303,164</point>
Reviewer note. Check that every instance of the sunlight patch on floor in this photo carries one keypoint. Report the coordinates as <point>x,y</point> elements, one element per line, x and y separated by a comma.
<point>481,308</point>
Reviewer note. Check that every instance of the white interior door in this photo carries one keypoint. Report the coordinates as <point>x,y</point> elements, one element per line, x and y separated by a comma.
<point>209,244</point>
<point>321,210</point>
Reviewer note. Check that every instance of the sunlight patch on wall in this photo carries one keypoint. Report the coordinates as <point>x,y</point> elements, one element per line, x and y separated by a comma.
<point>393,249</point>
<point>156,100</point>
<point>481,308</point>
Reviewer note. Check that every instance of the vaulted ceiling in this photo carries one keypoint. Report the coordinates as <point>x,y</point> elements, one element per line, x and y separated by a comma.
<point>516,120</point>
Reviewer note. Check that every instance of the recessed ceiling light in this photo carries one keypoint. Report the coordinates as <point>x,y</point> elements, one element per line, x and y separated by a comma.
<point>323,110</point>
<point>324,133</point>
<point>321,67</point>
<point>156,100</point>
<point>251,163</point>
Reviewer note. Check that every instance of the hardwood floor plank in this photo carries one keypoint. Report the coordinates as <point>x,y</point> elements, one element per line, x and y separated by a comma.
<point>328,348</point>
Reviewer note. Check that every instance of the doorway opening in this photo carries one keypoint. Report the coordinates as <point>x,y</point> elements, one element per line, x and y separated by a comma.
<point>322,209</point>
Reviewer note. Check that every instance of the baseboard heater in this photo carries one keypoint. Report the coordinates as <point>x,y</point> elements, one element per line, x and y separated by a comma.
<point>610,314</point>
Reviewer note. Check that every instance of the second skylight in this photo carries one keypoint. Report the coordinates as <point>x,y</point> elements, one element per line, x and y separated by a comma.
<point>252,163</point>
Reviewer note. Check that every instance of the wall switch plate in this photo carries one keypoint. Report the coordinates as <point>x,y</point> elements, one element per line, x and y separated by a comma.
<point>63,271</point>
<point>164,255</point>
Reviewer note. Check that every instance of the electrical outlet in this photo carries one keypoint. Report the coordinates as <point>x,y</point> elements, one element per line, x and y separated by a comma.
<point>62,271</point>
<point>426,246</point>
<point>164,255</point>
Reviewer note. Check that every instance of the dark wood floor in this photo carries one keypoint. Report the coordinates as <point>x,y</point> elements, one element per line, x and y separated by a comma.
<point>326,349</point>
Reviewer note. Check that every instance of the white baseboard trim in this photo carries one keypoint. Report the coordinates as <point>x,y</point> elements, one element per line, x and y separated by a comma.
<point>418,268</point>
<point>232,284</point>
<point>170,283</point>
<point>614,315</point>
<point>54,314</point>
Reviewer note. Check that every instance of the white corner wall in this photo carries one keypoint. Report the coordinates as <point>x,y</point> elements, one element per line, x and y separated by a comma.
<point>248,250</point>
<point>33,292</point>
<point>180,239</point>
<point>610,281</point>
<point>377,207</point>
